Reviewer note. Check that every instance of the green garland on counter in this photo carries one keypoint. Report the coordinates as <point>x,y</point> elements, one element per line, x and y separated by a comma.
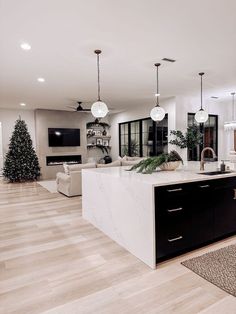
<point>148,165</point>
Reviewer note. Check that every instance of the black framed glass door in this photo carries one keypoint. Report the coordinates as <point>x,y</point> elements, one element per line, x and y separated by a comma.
<point>143,137</point>
<point>209,129</point>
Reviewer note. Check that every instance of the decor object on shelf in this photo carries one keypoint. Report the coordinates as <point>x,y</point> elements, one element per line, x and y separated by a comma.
<point>99,108</point>
<point>157,113</point>
<point>90,132</point>
<point>170,161</point>
<point>107,159</point>
<point>98,133</point>
<point>104,149</point>
<point>105,143</point>
<point>98,123</point>
<point>231,125</point>
<point>99,141</point>
<point>190,139</point>
<point>21,163</point>
<point>201,115</point>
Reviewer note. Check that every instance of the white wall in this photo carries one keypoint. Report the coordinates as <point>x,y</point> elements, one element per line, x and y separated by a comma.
<point>8,118</point>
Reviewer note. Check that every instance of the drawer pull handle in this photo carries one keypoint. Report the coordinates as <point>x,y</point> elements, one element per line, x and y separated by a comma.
<point>175,210</point>
<point>175,190</point>
<point>204,186</point>
<point>175,239</point>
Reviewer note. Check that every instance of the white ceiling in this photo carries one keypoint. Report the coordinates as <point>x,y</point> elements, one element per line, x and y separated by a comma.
<point>133,34</point>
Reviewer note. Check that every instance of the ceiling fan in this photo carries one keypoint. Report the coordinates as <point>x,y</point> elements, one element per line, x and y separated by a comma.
<point>79,108</point>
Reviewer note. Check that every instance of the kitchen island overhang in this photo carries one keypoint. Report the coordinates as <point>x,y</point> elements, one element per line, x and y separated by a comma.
<point>122,205</point>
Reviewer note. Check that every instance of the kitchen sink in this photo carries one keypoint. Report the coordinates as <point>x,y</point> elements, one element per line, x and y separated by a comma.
<point>214,173</point>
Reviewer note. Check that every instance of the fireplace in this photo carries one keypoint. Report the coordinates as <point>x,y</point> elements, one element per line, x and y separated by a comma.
<point>59,160</point>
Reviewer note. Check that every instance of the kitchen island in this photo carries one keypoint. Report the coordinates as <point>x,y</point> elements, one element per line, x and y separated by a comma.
<point>159,215</point>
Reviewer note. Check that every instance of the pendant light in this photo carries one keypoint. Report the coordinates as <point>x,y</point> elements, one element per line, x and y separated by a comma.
<point>231,125</point>
<point>157,113</point>
<point>99,108</point>
<point>201,116</point>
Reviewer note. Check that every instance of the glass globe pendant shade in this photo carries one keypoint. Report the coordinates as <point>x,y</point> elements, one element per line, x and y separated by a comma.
<point>230,126</point>
<point>201,116</point>
<point>157,113</point>
<point>99,109</point>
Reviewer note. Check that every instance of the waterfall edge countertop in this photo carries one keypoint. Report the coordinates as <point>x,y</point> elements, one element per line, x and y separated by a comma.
<point>122,204</point>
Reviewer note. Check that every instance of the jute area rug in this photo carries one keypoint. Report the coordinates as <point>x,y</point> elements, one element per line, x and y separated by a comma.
<point>218,267</point>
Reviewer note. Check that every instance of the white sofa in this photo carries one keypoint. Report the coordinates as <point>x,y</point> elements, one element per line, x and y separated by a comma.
<point>69,182</point>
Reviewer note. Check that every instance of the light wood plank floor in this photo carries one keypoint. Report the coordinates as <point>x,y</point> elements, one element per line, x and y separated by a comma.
<point>52,261</point>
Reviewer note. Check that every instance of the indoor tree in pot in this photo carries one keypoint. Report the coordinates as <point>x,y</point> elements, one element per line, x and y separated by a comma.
<point>192,138</point>
<point>21,162</point>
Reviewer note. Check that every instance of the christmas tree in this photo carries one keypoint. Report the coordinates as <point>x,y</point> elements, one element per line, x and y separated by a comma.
<point>21,162</point>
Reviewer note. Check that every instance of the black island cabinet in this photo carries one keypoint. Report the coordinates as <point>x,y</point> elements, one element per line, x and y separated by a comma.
<point>192,214</point>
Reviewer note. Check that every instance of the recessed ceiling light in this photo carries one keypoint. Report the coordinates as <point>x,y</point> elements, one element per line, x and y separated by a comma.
<point>25,46</point>
<point>22,104</point>
<point>41,79</point>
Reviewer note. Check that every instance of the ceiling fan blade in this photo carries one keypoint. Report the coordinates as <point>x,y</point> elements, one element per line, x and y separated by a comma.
<point>71,107</point>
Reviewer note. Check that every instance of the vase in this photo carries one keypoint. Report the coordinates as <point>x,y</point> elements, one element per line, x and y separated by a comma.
<point>170,166</point>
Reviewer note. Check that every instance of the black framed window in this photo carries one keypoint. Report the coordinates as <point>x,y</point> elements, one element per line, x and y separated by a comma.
<point>209,129</point>
<point>124,142</point>
<point>143,137</point>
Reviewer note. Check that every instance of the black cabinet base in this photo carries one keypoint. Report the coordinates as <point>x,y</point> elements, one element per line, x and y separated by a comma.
<point>192,248</point>
<point>191,215</point>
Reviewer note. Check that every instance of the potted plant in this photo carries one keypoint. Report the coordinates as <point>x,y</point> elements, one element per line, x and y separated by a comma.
<point>190,140</point>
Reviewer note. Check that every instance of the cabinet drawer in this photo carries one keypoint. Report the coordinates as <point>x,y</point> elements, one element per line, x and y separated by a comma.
<point>182,196</point>
<point>225,183</point>
<point>172,190</point>
<point>173,235</point>
<point>171,197</point>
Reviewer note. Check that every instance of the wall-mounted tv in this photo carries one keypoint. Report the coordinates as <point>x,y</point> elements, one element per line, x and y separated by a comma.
<point>58,137</point>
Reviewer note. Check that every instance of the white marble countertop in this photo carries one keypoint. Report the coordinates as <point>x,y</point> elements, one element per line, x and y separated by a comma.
<point>121,203</point>
<point>159,178</point>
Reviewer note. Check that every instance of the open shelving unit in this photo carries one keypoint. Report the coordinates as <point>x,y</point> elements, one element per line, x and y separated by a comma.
<point>98,137</point>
